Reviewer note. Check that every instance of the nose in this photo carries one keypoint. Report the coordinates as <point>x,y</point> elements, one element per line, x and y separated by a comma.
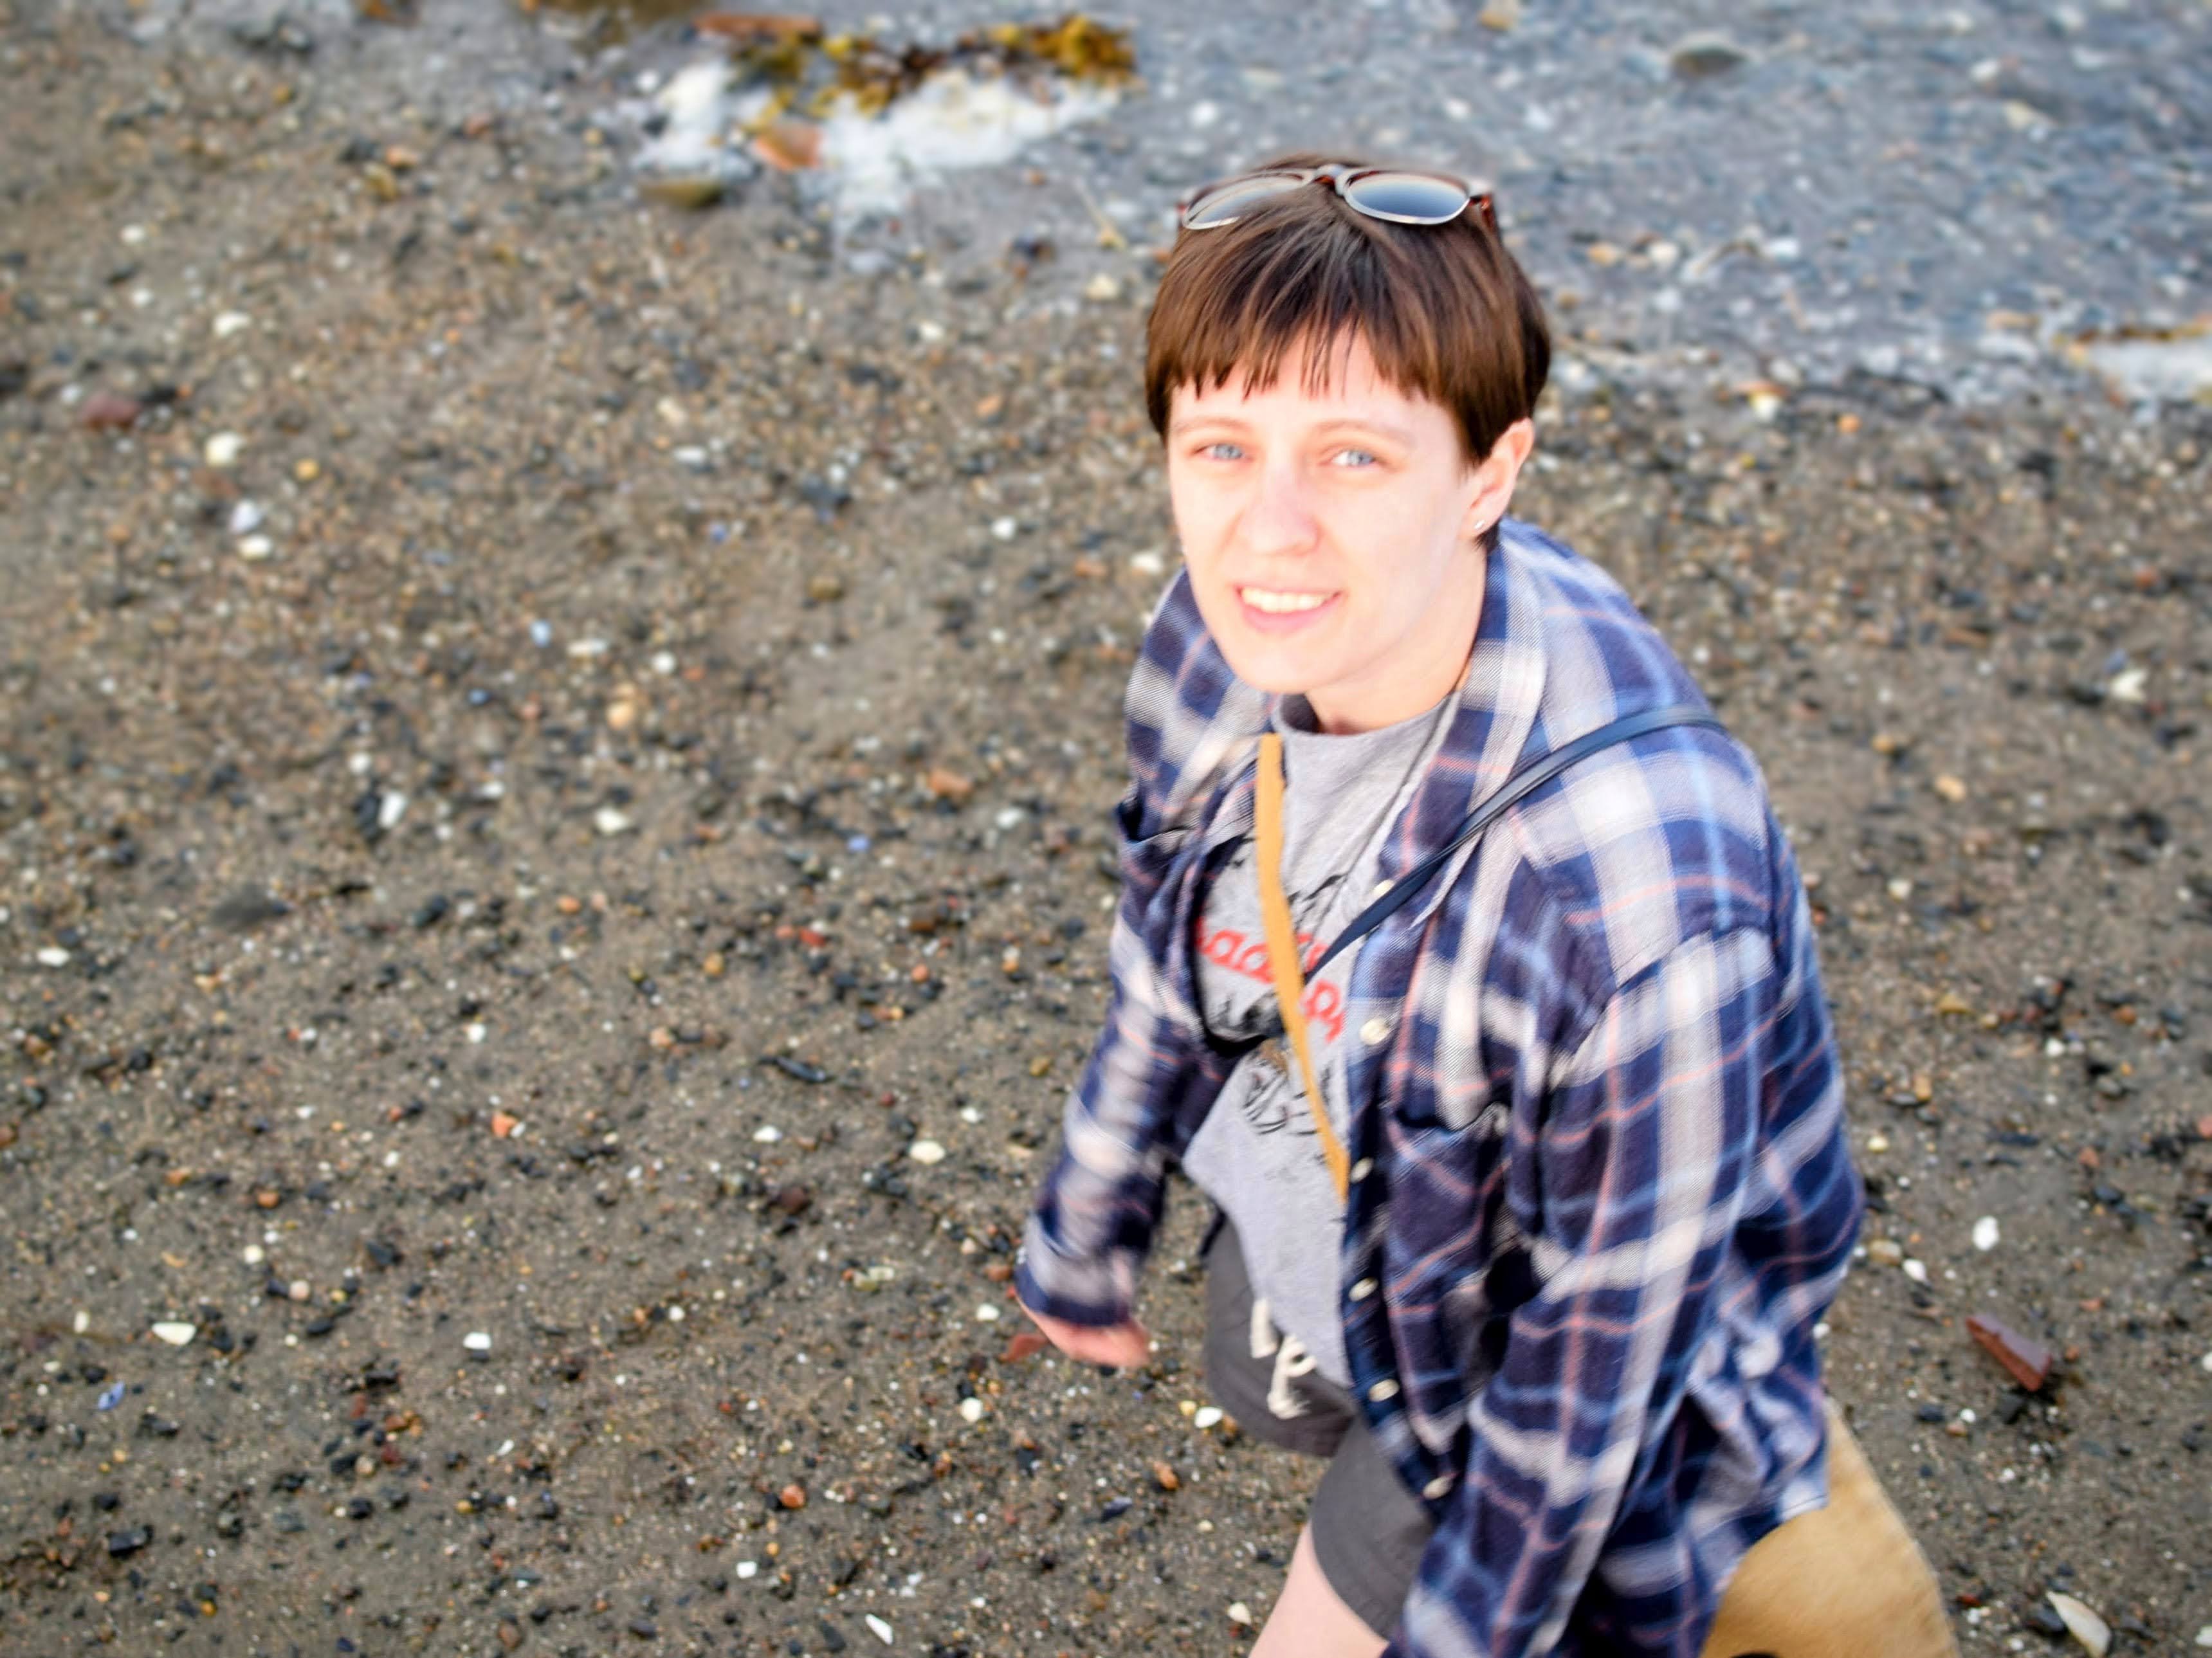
<point>1279,520</point>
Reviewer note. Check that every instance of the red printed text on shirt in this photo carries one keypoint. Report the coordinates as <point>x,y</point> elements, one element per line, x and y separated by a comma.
<point>1225,947</point>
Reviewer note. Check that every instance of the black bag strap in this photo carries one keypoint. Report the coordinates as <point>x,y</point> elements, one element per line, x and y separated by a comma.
<point>1514,788</point>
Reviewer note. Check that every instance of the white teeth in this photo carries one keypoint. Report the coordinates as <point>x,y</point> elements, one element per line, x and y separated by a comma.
<point>1282,604</point>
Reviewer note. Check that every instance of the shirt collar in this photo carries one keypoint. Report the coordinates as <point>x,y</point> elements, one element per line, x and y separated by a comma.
<point>1498,699</point>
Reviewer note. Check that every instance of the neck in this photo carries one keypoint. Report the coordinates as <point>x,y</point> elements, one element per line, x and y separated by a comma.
<point>1419,677</point>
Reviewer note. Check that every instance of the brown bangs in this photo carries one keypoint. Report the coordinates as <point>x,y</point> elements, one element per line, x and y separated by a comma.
<point>1445,311</point>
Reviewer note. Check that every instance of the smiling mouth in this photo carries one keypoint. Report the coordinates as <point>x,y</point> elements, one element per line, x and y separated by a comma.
<point>1275,603</point>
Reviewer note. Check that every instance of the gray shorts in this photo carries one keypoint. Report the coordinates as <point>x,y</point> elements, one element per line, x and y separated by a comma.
<point>1369,1531</point>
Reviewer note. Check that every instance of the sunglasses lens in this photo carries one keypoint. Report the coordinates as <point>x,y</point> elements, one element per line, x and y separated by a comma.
<point>1410,196</point>
<point>1232,201</point>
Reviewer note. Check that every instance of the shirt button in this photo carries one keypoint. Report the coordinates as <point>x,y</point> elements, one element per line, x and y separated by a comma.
<point>1440,1486</point>
<point>1362,1169</point>
<point>1364,1289</point>
<point>1384,1389</point>
<point>1375,1030</point>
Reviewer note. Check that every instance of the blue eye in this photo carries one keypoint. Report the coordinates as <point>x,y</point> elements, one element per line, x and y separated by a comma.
<point>1222,450</point>
<point>1353,458</point>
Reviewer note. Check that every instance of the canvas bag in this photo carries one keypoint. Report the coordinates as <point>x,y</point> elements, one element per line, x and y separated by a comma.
<point>1844,1581</point>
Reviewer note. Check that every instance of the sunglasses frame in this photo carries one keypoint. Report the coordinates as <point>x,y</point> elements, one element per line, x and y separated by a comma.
<point>1343,176</point>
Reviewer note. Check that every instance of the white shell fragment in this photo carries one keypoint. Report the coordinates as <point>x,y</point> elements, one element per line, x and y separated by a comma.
<point>1207,1416</point>
<point>880,1628</point>
<point>1985,1233</point>
<point>926,1152</point>
<point>477,1341</point>
<point>2091,1630</point>
<point>175,1333</point>
<point>1916,1269</point>
<point>971,1409</point>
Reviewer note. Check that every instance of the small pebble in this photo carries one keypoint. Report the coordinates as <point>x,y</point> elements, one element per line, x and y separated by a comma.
<point>987,1314</point>
<point>1985,1233</point>
<point>477,1341</point>
<point>1207,1416</point>
<point>1698,56</point>
<point>971,1409</point>
<point>2090,1630</point>
<point>926,1152</point>
<point>222,449</point>
<point>175,1331</point>
<point>1916,1269</point>
<point>1240,1613</point>
<point>2026,1360</point>
<point>880,1628</point>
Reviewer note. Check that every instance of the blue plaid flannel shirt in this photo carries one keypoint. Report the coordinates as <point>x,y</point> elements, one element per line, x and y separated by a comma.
<point>1601,1188</point>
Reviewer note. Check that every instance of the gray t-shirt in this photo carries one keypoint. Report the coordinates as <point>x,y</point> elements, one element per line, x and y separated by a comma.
<point>1256,1154</point>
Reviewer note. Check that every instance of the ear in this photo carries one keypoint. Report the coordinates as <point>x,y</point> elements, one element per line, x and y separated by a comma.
<point>1495,477</point>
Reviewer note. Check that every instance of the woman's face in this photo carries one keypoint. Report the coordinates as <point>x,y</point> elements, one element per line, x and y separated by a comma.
<point>1332,535</point>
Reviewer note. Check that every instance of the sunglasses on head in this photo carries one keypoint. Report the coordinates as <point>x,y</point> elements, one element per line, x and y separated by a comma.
<point>1393,193</point>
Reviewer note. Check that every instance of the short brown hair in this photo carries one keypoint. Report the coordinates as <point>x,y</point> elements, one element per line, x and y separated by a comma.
<point>1444,310</point>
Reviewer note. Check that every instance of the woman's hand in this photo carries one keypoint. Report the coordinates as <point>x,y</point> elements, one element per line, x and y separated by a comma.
<point>1123,1346</point>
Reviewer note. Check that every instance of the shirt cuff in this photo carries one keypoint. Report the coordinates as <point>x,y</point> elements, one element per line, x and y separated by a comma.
<point>1058,1287</point>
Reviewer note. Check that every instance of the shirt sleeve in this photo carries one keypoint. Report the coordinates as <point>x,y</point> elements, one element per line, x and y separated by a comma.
<point>1641,1159</point>
<point>1151,1079</point>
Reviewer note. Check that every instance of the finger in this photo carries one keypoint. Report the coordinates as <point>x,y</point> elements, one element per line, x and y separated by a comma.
<point>1093,1347</point>
<point>1135,1350</point>
<point>1124,1346</point>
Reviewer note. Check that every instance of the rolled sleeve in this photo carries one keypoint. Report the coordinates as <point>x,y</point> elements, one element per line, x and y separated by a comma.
<point>1149,1080</point>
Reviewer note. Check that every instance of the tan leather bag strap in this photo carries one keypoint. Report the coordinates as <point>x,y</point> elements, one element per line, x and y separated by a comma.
<point>1283,954</point>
